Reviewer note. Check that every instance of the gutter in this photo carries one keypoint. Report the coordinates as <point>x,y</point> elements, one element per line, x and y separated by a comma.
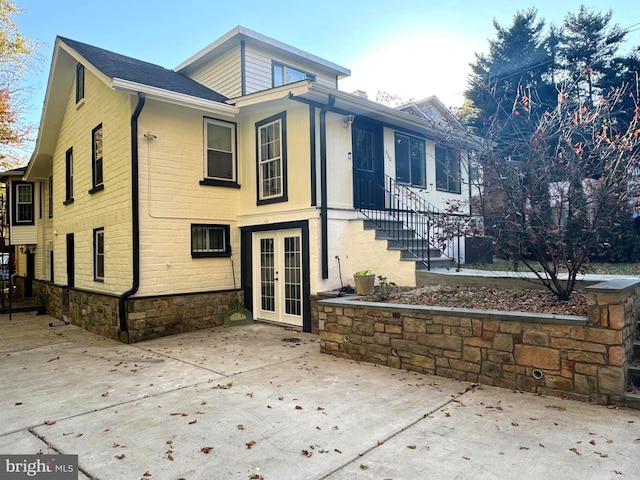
<point>323,187</point>
<point>135,217</point>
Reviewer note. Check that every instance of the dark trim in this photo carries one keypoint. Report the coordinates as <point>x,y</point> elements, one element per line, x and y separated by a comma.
<point>97,188</point>
<point>95,254</point>
<point>312,156</point>
<point>68,201</point>
<point>50,197</point>
<point>284,197</point>
<point>324,227</point>
<point>391,126</point>
<point>220,182</point>
<point>212,182</point>
<point>227,240</point>
<point>246,253</point>
<point>243,68</point>
<point>79,84</point>
<point>95,184</point>
<point>68,174</point>
<point>71,260</point>
<point>14,204</point>
<point>135,214</point>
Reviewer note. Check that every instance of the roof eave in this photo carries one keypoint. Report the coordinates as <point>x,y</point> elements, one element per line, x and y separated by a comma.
<point>175,98</point>
<point>240,33</point>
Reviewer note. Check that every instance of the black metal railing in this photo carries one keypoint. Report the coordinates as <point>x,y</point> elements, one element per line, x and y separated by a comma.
<point>411,221</point>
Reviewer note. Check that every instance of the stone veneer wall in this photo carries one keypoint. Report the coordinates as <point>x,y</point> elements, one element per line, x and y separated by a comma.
<point>584,358</point>
<point>153,317</point>
<point>147,317</point>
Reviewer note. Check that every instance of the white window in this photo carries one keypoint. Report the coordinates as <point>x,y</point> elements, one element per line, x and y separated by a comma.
<point>272,165</point>
<point>284,74</point>
<point>24,203</point>
<point>98,254</point>
<point>220,150</point>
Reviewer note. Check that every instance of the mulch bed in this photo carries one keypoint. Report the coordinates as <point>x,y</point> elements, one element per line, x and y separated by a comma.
<point>487,298</point>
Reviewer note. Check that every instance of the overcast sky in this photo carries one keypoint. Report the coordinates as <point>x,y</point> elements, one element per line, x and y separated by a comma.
<point>408,48</point>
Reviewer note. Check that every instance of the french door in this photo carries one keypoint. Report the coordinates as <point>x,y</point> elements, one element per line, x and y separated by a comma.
<point>277,256</point>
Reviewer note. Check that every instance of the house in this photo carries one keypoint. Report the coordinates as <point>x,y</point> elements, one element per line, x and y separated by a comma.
<point>244,171</point>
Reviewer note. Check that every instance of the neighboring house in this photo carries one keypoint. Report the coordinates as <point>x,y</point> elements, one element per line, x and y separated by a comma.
<point>21,205</point>
<point>244,170</point>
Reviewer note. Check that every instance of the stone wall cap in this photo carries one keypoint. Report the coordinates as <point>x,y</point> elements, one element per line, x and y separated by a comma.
<point>577,320</point>
<point>616,285</point>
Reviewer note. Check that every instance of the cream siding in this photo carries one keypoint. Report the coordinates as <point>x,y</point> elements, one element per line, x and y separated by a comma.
<point>223,75</point>
<point>298,162</point>
<point>259,72</point>
<point>109,208</point>
<point>171,199</point>
<point>339,162</point>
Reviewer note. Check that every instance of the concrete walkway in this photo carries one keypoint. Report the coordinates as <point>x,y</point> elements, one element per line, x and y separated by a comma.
<point>243,403</point>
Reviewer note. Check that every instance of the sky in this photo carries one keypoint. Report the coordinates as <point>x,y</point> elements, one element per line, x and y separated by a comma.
<point>410,48</point>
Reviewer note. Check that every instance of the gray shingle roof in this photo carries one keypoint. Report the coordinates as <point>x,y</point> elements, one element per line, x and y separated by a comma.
<point>115,65</point>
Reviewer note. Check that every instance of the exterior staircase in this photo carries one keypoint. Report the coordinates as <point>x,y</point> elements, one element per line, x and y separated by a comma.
<point>412,225</point>
<point>412,248</point>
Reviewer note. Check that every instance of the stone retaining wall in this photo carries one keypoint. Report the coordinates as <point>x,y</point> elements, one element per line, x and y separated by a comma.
<point>584,358</point>
<point>147,317</point>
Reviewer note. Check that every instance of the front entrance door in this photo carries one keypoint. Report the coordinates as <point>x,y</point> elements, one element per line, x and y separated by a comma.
<point>277,256</point>
<point>368,166</point>
<point>31,274</point>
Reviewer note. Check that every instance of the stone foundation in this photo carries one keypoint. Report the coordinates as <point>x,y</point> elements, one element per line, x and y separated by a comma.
<point>584,358</point>
<point>147,317</point>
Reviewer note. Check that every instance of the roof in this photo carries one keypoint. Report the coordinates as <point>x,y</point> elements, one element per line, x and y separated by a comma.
<point>347,103</point>
<point>114,65</point>
<point>242,34</point>
<point>16,172</point>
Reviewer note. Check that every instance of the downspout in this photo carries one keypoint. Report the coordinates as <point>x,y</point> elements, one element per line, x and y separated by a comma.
<point>324,224</point>
<point>135,216</point>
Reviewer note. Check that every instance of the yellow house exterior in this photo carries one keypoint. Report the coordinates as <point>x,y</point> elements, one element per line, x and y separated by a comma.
<point>238,174</point>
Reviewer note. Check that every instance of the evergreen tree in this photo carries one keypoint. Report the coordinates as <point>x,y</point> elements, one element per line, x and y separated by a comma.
<point>588,46</point>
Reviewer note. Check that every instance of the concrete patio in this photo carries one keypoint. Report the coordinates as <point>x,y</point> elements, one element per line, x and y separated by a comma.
<point>262,402</point>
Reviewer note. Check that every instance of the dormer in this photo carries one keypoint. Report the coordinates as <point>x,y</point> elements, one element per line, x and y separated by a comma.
<point>243,62</point>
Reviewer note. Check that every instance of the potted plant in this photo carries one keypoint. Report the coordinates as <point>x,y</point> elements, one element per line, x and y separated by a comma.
<point>364,280</point>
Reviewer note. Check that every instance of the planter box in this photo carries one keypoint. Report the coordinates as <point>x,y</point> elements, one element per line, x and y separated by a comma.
<point>364,283</point>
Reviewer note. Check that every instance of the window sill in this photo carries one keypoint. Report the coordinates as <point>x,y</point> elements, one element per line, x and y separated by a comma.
<point>210,182</point>
<point>273,200</point>
<point>99,280</point>
<point>68,201</point>
<point>210,255</point>
<point>97,188</point>
<point>80,103</point>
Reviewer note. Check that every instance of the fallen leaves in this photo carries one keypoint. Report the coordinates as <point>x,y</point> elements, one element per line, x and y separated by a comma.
<point>206,449</point>
<point>49,422</point>
<point>250,444</point>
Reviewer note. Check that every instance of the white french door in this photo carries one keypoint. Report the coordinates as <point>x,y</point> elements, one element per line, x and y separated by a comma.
<point>277,256</point>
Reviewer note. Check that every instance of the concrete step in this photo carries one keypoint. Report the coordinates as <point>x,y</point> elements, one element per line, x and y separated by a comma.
<point>633,373</point>
<point>632,399</point>
<point>382,224</point>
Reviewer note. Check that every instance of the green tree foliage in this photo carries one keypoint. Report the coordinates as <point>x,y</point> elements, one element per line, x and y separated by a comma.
<point>17,54</point>
<point>517,61</point>
<point>588,48</point>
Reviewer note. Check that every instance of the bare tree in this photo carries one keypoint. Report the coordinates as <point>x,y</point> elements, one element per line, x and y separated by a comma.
<point>558,182</point>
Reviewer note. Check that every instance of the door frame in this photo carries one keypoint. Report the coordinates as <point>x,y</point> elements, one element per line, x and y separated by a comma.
<point>368,185</point>
<point>247,269</point>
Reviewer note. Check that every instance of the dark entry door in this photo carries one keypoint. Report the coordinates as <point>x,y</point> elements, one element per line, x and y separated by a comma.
<point>368,166</point>
<point>71,264</point>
